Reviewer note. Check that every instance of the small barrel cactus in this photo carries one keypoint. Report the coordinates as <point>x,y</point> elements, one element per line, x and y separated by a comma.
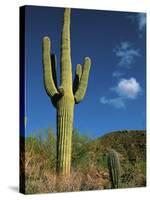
<point>114,168</point>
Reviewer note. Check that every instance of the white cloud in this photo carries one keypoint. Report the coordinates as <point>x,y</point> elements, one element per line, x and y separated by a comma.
<point>116,102</point>
<point>139,19</point>
<point>126,54</point>
<point>128,88</point>
<point>117,74</point>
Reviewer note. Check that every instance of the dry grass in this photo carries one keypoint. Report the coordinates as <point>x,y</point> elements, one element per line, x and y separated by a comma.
<point>40,179</point>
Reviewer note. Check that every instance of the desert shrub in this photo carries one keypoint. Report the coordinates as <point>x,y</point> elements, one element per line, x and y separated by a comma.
<point>102,161</point>
<point>80,155</point>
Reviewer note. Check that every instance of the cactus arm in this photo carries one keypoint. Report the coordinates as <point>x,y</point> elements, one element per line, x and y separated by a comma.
<point>79,94</point>
<point>48,77</point>
<point>66,68</point>
<point>79,71</point>
<point>54,67</point>
<point>77,77</point>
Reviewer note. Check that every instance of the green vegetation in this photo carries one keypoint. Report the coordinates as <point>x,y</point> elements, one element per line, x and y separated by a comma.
<point>64,97</point>
<point>89,169</point>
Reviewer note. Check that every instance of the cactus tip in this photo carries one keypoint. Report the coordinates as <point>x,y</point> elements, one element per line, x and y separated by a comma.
<point>46,38</point>
<point>87,59</point>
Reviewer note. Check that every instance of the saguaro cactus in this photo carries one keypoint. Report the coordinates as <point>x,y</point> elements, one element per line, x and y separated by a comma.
<point>114,168</point>
<point>67,94</point>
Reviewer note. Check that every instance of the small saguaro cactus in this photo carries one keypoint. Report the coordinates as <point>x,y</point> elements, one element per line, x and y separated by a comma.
<point>67,94</point>
<point>114,168</point>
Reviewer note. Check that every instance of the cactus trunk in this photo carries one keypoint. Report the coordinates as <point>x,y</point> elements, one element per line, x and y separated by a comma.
<point>66,95</point>
<point>64,131</point>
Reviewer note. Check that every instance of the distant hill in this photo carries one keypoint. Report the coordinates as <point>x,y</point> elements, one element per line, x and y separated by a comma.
<point>131,144</point>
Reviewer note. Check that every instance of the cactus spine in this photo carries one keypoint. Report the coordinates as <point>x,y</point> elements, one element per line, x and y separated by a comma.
<point>65,96</point>
<point>114,168</point>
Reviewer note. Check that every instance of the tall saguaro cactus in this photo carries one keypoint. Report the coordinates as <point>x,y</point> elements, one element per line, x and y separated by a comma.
<point>67,94</point>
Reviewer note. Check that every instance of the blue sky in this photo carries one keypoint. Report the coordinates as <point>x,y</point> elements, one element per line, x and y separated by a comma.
<point>116,93</point>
